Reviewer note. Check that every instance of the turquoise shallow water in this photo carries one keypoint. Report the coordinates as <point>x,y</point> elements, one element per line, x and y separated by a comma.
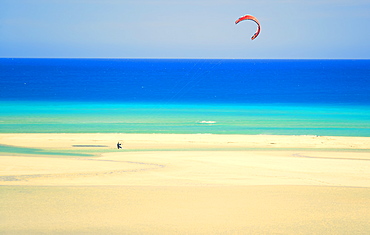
<point>22,150</point>
<point>287,97</point>
<point>109,117</point>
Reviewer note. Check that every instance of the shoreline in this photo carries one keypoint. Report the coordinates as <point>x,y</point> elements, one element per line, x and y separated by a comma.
<point>104,142</point>
<point>167,159</point>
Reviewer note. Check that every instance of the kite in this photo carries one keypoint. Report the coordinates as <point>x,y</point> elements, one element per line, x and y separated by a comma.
<point>249,17</point>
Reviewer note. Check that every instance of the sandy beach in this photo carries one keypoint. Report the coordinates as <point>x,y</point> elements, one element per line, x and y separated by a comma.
<point>184,184</point>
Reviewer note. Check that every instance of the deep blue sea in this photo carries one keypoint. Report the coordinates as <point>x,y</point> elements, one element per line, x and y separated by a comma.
<point>295,97</point>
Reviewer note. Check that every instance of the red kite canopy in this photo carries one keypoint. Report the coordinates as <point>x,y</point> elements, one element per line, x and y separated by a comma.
<point>249,17</point>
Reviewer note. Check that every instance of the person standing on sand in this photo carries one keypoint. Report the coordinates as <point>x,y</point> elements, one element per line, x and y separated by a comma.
<point>119,145</point>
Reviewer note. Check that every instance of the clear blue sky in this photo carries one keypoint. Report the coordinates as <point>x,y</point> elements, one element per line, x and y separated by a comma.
<point>296,29</point>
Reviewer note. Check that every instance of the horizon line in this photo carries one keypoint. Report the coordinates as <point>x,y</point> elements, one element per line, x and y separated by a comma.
<point>183,58</point>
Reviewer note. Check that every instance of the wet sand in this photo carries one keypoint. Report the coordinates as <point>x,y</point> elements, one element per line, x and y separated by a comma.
<point>184,184</point>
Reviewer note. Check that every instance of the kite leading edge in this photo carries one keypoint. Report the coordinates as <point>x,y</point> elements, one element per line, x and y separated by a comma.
<point>249,17</point>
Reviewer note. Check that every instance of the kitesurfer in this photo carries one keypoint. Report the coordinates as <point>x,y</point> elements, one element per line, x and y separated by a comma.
<point>119,145</point>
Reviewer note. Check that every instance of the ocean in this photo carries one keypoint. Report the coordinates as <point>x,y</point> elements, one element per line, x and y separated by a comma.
<point>197,96</point>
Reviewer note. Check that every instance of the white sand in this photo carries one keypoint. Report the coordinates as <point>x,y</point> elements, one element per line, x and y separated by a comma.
<point>186,184</point>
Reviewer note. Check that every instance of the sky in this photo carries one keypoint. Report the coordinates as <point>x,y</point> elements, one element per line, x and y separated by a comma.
<point>290,29</point>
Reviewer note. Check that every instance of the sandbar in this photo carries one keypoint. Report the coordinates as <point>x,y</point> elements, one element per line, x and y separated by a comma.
<point>184,184</point>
